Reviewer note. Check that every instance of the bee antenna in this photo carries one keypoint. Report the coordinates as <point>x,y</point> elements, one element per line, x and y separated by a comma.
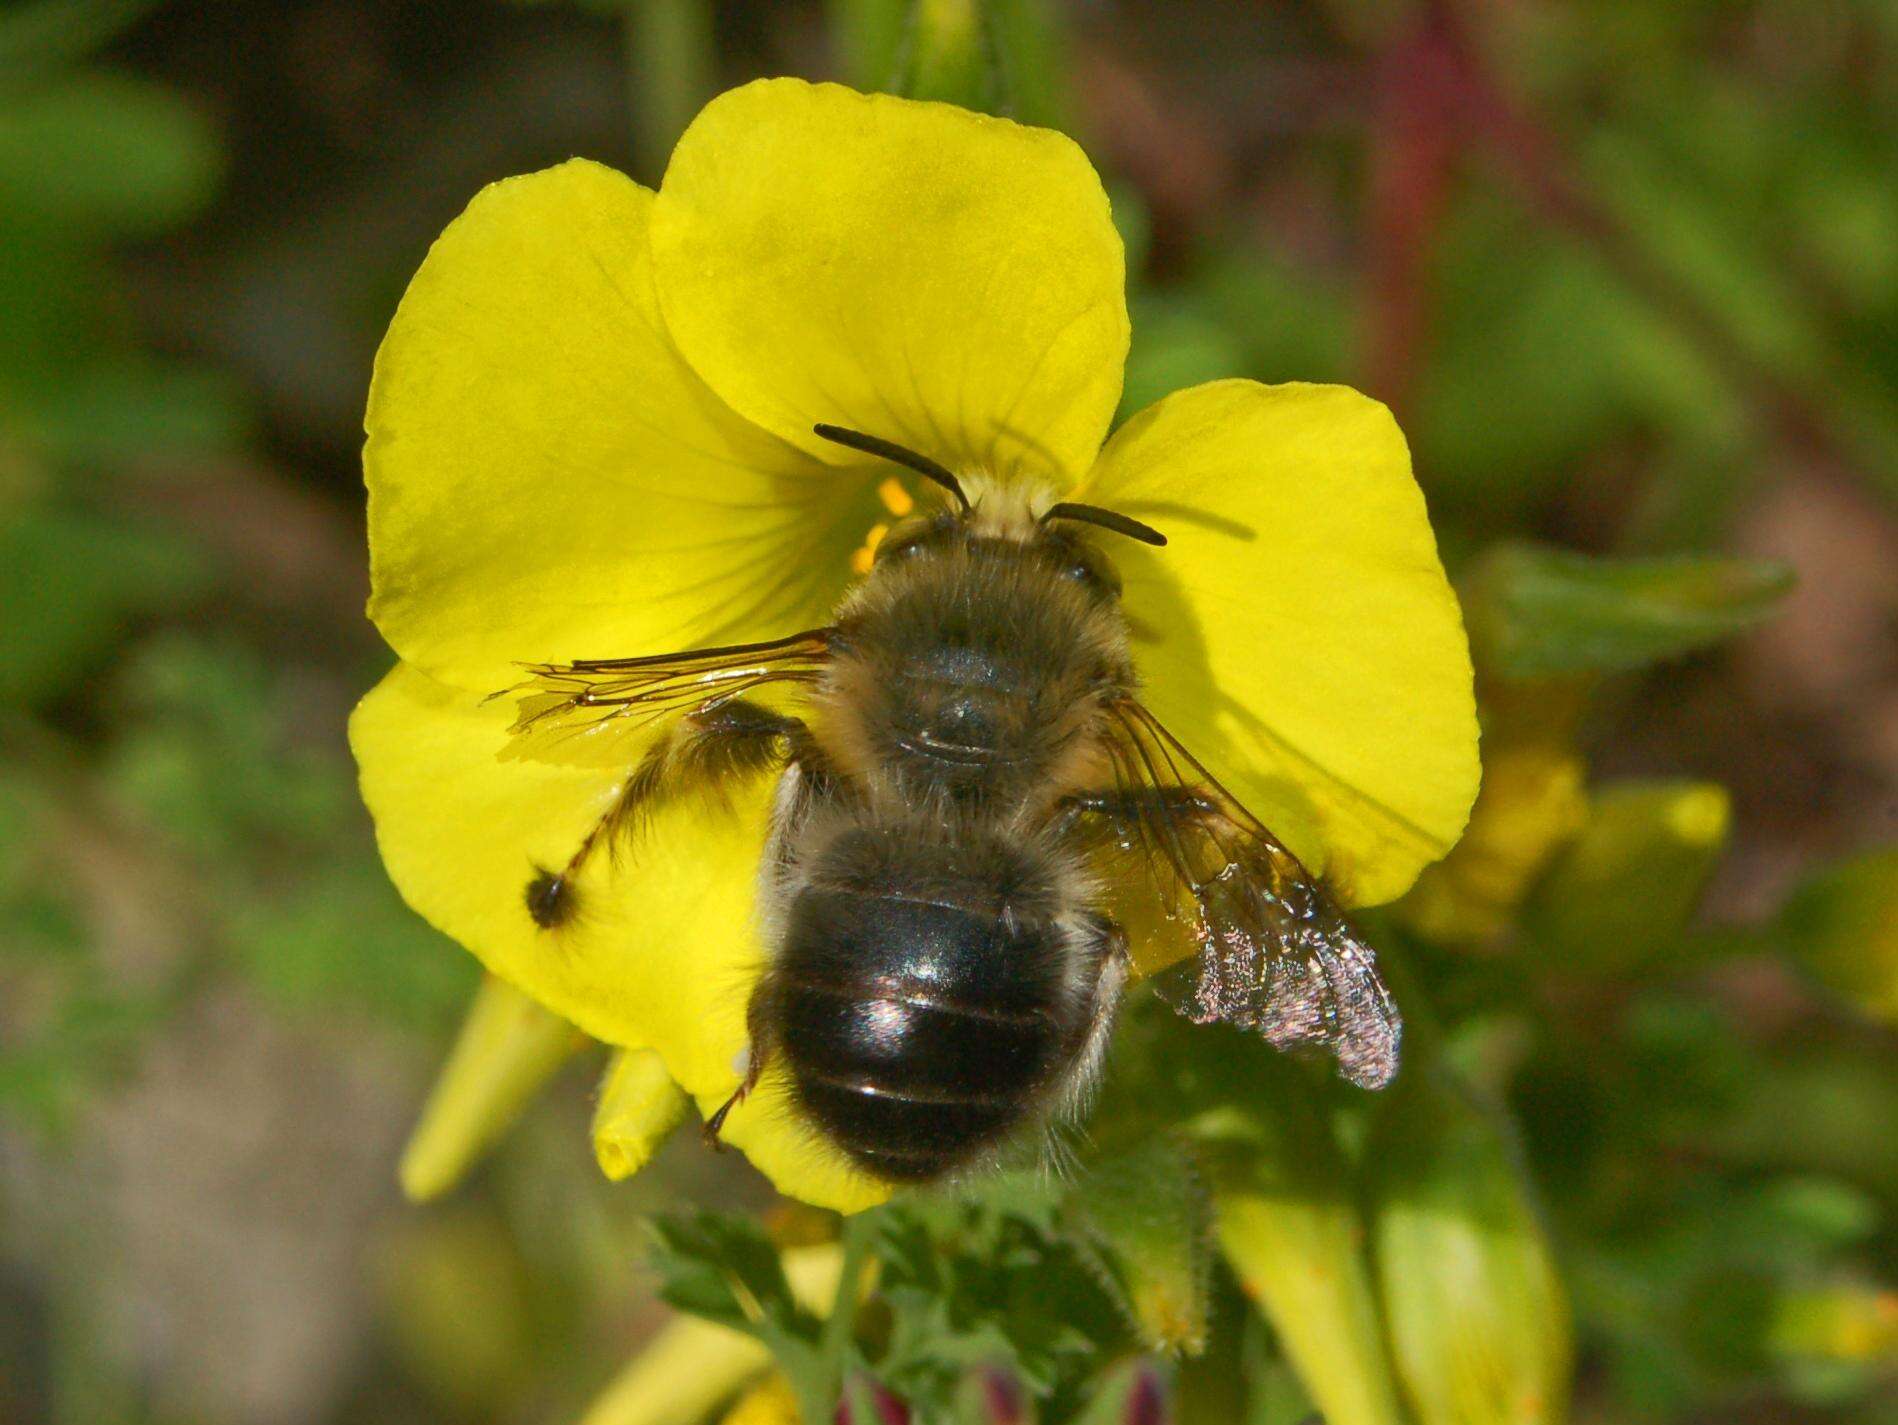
<point>901,455</point>
<point>1106,519</point>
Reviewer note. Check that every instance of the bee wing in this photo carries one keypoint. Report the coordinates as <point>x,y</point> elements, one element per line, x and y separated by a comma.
<point>1265,946</point>
<point>594,713</point>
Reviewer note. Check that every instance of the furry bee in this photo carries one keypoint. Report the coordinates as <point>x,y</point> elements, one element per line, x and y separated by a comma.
<point>973,813</point>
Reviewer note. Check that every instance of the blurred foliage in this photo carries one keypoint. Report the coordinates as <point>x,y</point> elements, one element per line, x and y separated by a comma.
<point>1640,1165</point>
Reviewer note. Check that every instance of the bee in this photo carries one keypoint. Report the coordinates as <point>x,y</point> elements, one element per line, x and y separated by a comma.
<point>973,813</point>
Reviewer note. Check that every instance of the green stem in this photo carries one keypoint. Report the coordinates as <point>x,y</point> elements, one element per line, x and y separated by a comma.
<point>841,1328</point>
<point>669,71</point>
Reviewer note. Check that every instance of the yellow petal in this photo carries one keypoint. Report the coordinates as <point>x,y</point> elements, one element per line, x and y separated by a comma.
<point>507,1049</point>
<point>549,481</point>
<point>939,278</point>
<point>770,1402</point>
<point>1297,633</point>
<point>639,1106</point>
<point>662,951</point>
<point>786,1150</point>
<point>687,1368</point>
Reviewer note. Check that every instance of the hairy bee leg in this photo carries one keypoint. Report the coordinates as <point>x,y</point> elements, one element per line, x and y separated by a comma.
<point>712,749</point>
<point>1097,1028</point>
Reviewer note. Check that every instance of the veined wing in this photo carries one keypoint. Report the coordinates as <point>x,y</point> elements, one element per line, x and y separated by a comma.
<point>1265,946</point>
<point>594,713</point>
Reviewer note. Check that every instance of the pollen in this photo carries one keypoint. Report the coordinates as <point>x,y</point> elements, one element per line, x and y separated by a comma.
<point>896,499</point>
<point>866,553</point>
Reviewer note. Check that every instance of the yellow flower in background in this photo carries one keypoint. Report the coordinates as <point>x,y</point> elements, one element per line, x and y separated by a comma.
<point>590,435</point>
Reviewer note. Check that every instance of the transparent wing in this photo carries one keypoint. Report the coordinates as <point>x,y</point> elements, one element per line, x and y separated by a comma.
<point>1262,944</point>
<point>594,713</point>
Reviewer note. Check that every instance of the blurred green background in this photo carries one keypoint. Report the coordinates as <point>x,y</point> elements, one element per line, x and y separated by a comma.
<point>1627,271</point>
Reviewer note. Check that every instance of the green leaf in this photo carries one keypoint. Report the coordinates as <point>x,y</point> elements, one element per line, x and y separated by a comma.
<point>1148,1211</point>
<point>69,582</point>
<point>206,754</point>
<point>1292,320</point>
<point>140,409</point>
<point>1175,345</point>
<point>1536,612</point>
<point>1501,410</point>
<point>339,937</point>
<point>721,1266</point>
<point>42,35</point>
<point>106,154</point>
<point>972,1285</point>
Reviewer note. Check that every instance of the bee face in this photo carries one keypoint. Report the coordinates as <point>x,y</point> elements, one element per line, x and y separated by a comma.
<point>1061,553</point>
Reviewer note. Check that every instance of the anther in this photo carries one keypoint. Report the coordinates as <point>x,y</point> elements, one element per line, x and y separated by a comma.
<point>898,501</point>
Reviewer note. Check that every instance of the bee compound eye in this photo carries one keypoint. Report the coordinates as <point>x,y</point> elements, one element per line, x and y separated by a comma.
<point>906,539</point>
<point>1094,574</point>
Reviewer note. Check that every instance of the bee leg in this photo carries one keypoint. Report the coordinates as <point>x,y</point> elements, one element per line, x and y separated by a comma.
<point>758,1019</point>
<point>1123,808</point>
<point>1097,1026</point>
<point>709,749</point>
<point>754,1066</point>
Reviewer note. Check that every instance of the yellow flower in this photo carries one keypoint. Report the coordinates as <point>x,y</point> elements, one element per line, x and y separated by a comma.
<point>590,436</point>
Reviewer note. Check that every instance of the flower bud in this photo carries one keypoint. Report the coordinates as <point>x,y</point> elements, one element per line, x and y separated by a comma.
<point>1623,890</point>
<point>1148,1212</point>
<point>1842,928</point>
<point>639,1106</point>
<point>1477,1319</point>
<point>507,1050</point>
<point>1534,799</point>
<point>871,1403</point>
<point>1133,1393</point>
<point>1007,1402</point>
<point>1288,1223</point>
<point>993,1396</point>
<point>685,1370</point>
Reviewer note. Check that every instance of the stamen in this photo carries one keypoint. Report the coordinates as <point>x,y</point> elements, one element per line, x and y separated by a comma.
<point>896,499</point>
<point>866,554</point>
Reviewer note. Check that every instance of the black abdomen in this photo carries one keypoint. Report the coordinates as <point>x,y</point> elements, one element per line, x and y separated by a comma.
<point>922,999</point>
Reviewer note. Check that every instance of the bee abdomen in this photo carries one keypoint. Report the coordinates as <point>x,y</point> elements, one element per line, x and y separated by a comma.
<point>919,1032</point>
<point>908,1087</point>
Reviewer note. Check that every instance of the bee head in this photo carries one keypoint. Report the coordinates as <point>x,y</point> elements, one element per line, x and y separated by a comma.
<point>924,534</point>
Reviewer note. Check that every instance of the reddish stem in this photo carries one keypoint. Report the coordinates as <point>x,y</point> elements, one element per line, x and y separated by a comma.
<point>1414,147</point>
<point>1536,160</point>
